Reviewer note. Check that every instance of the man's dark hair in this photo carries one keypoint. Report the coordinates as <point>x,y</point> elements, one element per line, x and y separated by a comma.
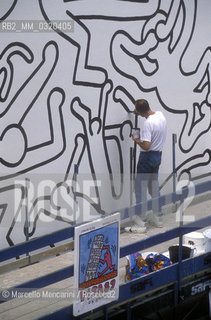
<point>142,106</point>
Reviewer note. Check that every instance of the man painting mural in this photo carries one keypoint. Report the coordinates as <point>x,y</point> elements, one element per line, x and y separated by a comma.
<point>151,141</point>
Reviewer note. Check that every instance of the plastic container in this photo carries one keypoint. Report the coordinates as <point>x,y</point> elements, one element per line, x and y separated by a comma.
<point>196,240</point>
<point>174,253</point>
<point>207,240</point>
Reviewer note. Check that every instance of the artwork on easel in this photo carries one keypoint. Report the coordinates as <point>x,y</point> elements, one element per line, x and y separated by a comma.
<point>96,263</point>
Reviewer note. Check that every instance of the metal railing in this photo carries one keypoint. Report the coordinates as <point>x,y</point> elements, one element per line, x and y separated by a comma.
<point>174,273</point>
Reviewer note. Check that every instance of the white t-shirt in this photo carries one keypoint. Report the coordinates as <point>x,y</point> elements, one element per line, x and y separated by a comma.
<point>154,131</point>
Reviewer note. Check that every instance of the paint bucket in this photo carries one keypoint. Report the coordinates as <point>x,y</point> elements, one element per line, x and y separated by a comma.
<point>136,133</point>
<point>196,240</point>
<point>207,240</point>
<point>174,253</point>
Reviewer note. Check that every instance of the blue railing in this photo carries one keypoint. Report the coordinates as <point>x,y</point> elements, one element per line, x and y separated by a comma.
<point>173,273</point>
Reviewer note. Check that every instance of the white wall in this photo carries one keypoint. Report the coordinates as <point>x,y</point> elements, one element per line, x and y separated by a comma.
<point>64,98</point>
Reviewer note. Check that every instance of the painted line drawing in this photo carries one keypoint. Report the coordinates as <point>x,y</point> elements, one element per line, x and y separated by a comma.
<point>172,32</point>
<point>107,260</point>
<point>84,87</point>
<point>94,257</point>
<point>98,256</point>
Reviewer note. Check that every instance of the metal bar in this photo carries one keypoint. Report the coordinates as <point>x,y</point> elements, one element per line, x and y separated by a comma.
<point>36,243</point>
<point>128,311</point>
<point>196,225</point>
<point>174,141</point>
<point>131,176</point>
<point>176,294</point>
<point>106,313</point>
<point>135,147</point>
<point>202,187</point>
<point>180,244</point>
<point>74,192</point>
<point>26,227</point>
<point>67,233</point>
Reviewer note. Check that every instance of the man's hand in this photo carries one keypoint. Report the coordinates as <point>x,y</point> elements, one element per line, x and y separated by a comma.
<point>145,145</point>
<point>137,140</point>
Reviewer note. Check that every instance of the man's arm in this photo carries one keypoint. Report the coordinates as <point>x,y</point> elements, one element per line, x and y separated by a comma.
<point>145,145</point>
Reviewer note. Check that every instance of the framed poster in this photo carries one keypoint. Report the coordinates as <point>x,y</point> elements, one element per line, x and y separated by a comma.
<point>96,263</point>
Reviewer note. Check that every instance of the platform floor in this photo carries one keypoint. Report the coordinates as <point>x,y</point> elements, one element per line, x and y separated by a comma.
<point>32,308</point>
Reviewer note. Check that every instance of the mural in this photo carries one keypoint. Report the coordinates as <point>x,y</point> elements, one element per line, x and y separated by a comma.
<point>65,96</point>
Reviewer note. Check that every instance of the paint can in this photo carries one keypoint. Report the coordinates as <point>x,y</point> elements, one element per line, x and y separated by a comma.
<point>136,133</point>
<point>207,240</point>
<point>187,252</point>
<point>196,240</point>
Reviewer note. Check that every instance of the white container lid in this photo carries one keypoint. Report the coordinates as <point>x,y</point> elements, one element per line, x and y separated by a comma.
<point>207,233</point>
<point>195,235</point>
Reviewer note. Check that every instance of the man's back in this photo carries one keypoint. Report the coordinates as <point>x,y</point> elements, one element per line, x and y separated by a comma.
<point>154,131</point>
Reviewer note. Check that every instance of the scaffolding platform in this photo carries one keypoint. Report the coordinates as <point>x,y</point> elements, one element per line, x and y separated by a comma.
<point>149,297</point>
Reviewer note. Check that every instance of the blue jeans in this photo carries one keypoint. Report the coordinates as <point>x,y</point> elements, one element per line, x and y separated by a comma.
<point>147,179</point>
